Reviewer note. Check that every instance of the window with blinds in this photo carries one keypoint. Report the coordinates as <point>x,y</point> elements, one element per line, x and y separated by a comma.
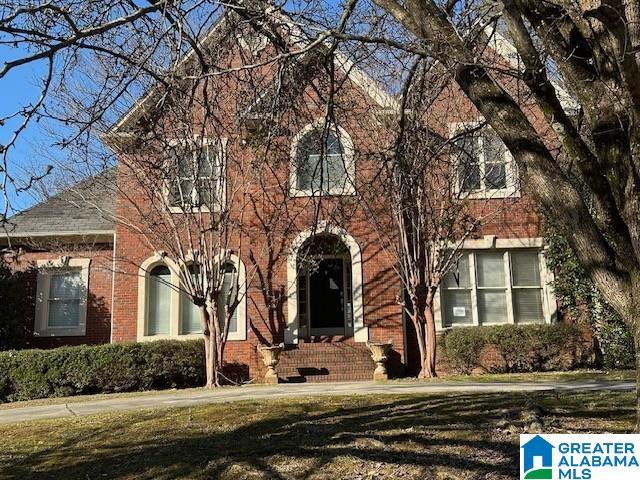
<point>494,287</point>
<point>190,322</point>
<point>526,287</point>
<point>457,294</point>
<point>159,307</point>
<point>66,292</point>
<point>228,297</point>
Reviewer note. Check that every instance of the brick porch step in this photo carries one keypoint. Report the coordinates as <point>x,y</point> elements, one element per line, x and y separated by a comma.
<point>325,362</point>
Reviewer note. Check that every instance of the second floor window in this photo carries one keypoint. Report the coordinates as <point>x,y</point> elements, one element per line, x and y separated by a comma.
<point>196,176</point>
<point>322,163</point>
<point>485,166</point>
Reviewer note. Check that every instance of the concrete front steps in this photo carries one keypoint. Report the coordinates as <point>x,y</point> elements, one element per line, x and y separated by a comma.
<point>325,362</point>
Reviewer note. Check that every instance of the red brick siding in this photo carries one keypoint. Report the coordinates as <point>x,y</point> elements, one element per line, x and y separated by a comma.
<point>98,300</point>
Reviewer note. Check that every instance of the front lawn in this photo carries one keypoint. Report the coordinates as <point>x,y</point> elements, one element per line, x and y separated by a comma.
<point>358,437</point>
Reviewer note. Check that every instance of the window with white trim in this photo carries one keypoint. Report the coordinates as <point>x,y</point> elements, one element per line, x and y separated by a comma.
<point>165,311</point>
<point>322,162</point>
<point>197,181</point>
<point>159,301</point>
<point>190,321</point>
<point>485,168</point>
<point>229,297</point>
<point>494,287</point>
<point>62,291</point>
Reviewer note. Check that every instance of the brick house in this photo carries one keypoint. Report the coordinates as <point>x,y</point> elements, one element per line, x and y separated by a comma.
<point>100,279</point>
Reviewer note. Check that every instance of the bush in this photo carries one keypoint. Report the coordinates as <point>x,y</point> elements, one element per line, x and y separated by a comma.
<point>29,374</point>
<point>463,346</point>
<point>516,348</point>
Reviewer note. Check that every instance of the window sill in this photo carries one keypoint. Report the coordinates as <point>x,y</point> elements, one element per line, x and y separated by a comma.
<point>188,336</point>
<point>60,332</point>
<point>345,192</point>
<point>182,211</point>
<point>490,194</point>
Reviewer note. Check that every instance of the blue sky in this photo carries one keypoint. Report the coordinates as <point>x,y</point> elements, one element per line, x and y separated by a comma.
<point>19,88</point>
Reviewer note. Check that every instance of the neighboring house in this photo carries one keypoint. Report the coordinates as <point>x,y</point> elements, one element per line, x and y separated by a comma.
<point>100,280</point>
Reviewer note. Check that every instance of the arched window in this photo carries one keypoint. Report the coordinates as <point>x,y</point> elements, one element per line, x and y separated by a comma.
<point>159,301</point>
<point>322,162</point>
<point>167,311</point>
<point>229,296</point>
<point>190,321</point>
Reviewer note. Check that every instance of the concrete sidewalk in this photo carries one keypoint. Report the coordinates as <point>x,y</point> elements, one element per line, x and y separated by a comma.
<point>177,398</point>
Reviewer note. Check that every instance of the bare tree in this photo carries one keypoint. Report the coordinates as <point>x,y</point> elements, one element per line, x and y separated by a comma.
<point>422,203</point>
<point>588,48</point>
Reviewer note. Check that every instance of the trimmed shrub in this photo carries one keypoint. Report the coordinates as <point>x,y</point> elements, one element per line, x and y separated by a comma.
<point>463,346</point>
<point>518,348</point>
<point>120,367</point>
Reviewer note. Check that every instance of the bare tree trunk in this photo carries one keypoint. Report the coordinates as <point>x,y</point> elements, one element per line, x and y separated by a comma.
<point>420,337</point>
<point>213,381</point>
<point>636,337</point>
<point>429,365</point>
<point>204,317</point>
<point>426,336</point>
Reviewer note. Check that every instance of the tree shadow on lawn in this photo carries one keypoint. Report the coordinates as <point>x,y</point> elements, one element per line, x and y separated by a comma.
<point>420,437</point>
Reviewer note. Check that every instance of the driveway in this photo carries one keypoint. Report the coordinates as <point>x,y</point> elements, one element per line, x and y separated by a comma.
<point>187,398</point>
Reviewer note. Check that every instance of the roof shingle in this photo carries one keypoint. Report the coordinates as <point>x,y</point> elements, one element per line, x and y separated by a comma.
<point>87,207</point>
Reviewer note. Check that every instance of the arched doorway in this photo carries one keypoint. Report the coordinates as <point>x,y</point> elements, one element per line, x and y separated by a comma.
<point>325,303</point>
<point>294,284</point>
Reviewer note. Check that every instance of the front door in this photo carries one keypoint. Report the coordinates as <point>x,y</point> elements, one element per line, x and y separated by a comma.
<point>327,298</point>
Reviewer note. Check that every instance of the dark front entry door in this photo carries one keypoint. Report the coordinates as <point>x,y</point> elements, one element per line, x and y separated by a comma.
<point>326,289</point>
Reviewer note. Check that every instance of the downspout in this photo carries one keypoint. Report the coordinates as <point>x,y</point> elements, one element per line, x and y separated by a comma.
<point>113,283</point>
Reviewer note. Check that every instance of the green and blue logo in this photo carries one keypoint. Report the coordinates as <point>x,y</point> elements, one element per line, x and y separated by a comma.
<point>537,459</point>
<point>580,457</point>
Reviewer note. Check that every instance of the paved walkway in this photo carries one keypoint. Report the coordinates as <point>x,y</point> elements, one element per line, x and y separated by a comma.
<point>186,398</point>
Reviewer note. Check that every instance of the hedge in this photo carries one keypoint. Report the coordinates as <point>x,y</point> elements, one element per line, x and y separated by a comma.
<point>120,367</point>
<point>515,348</point>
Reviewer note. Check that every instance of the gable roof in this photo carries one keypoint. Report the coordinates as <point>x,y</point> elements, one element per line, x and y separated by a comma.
<point>87,208</point>
<point>297,38</point>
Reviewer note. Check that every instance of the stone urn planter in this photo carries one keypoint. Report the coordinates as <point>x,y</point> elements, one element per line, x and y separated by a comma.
<point>271,358</point>
<point>380,355</point>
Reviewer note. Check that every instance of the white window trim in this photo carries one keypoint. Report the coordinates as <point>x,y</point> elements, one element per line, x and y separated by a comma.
<point>41,327</point>
<point>176,305</point>
<point>348,157</point>
<point>511,170</point>
<point>222,155</point>
<point>292,330</point>
<point>490,242</point>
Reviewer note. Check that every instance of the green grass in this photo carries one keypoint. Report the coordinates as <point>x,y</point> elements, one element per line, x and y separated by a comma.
<point>574,375</point>
<point>435,437</point>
